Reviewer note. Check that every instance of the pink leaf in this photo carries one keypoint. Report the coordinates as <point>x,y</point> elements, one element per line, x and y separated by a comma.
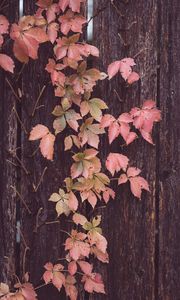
<point>113,131</point>
<point>131,137</point>
<point>85,267</point>
<point>72,202</point>
<point>4,24</point>
<point>38,132</point>
<point>72,268</point>
<point>133,77</point>
<point>79,219</point>
<point>107,194</point>
<point>115,162</point>
<point>6,63</point>
<point>122,179</point>
<point>47,146</point>
<point>113,69</point>
<point>132,172</point>
<point>137,185</point>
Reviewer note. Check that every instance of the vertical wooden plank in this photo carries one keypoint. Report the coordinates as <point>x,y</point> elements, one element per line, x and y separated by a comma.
<point>129,224</point>
<point>8,141</point>
<point>169,150</point>
<point>45,242</point>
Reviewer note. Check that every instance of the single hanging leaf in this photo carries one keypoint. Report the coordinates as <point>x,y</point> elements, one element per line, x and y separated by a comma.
<point>7,63</point>
<point>47,146</point>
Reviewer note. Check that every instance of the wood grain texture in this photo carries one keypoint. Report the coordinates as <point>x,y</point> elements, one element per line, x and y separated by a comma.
<point>8,141</point>
<point>45,242</point>
<point>169,150</point>
<point>129,224</point>
<point>143,236</point>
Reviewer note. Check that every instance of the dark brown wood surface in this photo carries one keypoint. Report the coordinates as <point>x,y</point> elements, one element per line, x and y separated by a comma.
<point>143,236</point>
<point>8,145</point>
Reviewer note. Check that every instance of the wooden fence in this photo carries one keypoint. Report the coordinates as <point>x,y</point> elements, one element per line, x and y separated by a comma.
<point>144,237</point>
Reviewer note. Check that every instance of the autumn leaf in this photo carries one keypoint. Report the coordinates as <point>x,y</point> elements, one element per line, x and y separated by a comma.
<point>72,268</point>
<point>62,202</point>
<point>84,80</point>
<point>144,119</point>
<point>137,183</point>
<point>65,116</point>
<point>93,106</point>
<point>89,133</point>
<point>77,245</point>
<point>53,274</point>
<point>47,140</point>
<point>73,4</point>
<point>92,281</point>
<point>115,162</point>
<point>70,288</point>
<point>124,66</point>
<point>79,219</point>
<point>27,38</point>
<point>6,63</point>
<point>94,234</point>
<point>71,21</point>
<point>101,256</point>
<point>85,163</point>
<point>4,25</point>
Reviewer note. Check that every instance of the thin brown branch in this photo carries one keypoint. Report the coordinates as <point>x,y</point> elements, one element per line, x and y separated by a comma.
<point>21,198</point>
<point>13,153</point>
<point>120,100</point>
<point>12,89</point>
<point>141,51</point>
<point>116,8</point>
<point>21,123</point>
<point>40,180</point>
<point>37,101</point>
<point>100,10</point>
<point>37,220</point>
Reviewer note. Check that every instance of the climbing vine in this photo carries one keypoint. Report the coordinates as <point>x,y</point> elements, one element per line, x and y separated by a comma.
<point>61,25</point>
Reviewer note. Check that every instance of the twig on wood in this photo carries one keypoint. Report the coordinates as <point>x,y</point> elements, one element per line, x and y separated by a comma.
<point>12,163</point>
<point>123,41</point>
<point>142,50</point>
<point>37,219</point>
<point>42,285</point>
<point>13,153</point>
<point>21,198</point>
<point>40,180</point>
<point>22,125</point>
<point>120,100</point>
<point>2,3</point>
<point>52,222</point>
<point>25,250</point>
<point>37,101</point>
<point>116,8</point>
<point>12,89</point>
<point>35,151</point>
<point>100,10</point>
<point>20,72</point>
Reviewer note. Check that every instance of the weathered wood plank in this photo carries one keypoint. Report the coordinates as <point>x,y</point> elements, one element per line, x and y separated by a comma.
<point>8,142</point>
<point>169,150</point>
<point>45,241</point>
<point>129,224</point>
